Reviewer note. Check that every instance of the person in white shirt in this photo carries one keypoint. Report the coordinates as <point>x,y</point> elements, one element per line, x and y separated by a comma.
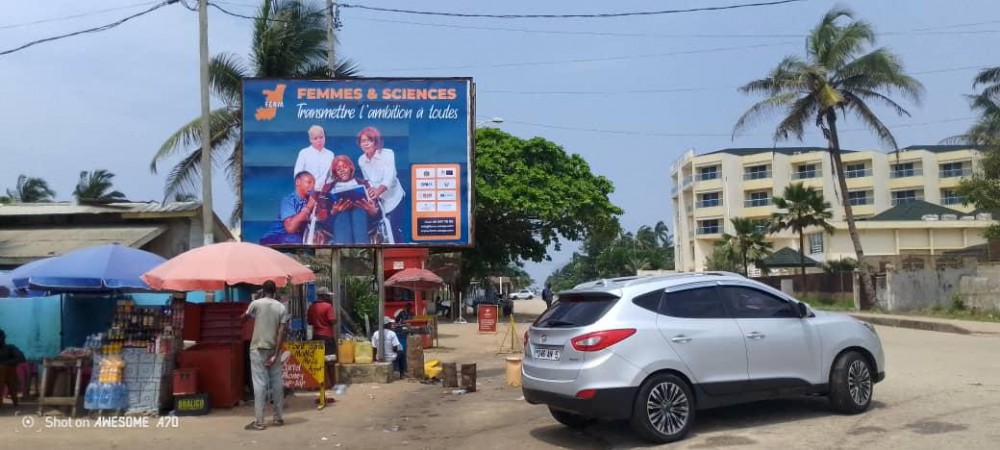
<point>378,165</point>
<point>315,158</point>
<point>392,345</point>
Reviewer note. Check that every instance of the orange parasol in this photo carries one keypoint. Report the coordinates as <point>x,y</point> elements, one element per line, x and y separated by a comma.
<point>212,267</point>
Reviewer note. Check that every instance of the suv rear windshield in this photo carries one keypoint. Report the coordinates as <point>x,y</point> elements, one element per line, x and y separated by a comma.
<point>576,310</point>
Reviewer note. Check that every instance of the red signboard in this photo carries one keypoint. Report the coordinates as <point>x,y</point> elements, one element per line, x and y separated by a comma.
<point>487,318</point>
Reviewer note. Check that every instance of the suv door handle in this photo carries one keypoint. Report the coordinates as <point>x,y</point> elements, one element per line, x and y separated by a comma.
<point>681,339</point>
<point>755,335</point>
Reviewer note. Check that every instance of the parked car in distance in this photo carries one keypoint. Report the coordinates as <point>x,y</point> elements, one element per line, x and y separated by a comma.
<point>523,294</point>
<point>656,350</point>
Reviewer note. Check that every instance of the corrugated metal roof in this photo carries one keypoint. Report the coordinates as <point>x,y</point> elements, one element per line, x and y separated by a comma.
<point>22,245</point>
<point>67,208</point>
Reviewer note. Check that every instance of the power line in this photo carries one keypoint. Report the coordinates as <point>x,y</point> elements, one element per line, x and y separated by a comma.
<point>662,134</point>
<point>89,30</point>
<point>602,59</point>
<point>678,89</point>
<point>570,16</point>
<point>917,32</point>
<point>74,16</point>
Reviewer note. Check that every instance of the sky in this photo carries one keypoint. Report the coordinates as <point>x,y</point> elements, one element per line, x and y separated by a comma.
<point>628,94</point>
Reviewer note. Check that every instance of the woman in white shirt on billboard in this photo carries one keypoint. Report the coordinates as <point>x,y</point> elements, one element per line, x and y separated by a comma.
<point>378,166</point>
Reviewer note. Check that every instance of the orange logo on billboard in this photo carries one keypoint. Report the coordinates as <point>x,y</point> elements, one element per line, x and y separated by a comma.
<point>273,99</point>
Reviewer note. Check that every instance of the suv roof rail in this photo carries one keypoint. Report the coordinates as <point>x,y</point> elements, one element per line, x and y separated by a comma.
<point>722,273</point>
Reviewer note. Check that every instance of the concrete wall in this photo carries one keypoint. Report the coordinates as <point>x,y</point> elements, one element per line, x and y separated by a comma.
<point>982,290</point>
<point>919,289</point>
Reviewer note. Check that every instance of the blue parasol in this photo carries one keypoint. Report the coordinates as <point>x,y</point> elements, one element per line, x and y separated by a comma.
<point>101,268</point>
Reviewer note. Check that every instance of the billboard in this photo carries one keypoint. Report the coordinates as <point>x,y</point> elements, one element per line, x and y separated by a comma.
<point>359,162</point>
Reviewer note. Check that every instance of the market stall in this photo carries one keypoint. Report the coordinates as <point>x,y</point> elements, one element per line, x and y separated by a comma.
<point>217,364</point>
<point>94,283</point>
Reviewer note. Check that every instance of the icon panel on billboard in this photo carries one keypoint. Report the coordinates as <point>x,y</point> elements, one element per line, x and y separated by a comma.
<point>439,216</point>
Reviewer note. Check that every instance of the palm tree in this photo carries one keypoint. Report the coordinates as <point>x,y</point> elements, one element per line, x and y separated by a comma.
<point>837,76</point>
<point>95,186</point>
<point>289,40</point>
<point>747,241</point>
<point>983,187</point>
<point>30,190</point>
<point>801,208</point>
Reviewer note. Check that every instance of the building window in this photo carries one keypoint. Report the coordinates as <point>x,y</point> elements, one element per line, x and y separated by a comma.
<point>856,171</point>
<point>708,173</point>
<point>761,226</point>
<point>905,170</point>
<point>709,200</point>
<point>708,226</point>
<point>858,198</point>
<point>815,243</point>
<point>950,197</point>
<point>756,173</point>
<point>804,171</point>
<point>759,198</point>
<point>952,170</point>
<point>899,197</point>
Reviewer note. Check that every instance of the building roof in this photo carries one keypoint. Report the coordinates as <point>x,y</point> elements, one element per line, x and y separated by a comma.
<point>68,208</point>
<point>22,245</point>
<point>787,257</point>
<point>782,150</point>
<point>940,148</point>
<point>914,210</point>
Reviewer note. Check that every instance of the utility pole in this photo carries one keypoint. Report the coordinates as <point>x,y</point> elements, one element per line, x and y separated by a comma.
<point>331,66</point>
<point>207,215</point>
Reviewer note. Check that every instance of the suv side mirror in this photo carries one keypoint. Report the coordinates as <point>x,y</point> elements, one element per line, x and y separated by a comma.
<point>802,309</point>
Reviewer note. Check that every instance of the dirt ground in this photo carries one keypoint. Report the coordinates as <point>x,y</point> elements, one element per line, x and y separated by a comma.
<point>941,391</point>
<point>403,414</point>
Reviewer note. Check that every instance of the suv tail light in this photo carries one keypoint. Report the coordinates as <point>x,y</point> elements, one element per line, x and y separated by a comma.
<point>600,340</point>
<point>525,340</point>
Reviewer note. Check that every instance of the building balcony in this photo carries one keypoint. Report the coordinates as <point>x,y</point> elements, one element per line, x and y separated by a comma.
<point>708,212</point>
<point>855,184</point>
<point>955,173</point>
<point>906,173</point>
<point>755,202</point>
<point>948,201</point>
<point>858,173</point>
<point>765,175</point>
<point>807,174</point>
<point>908,182</point>
<point>900,201</point>
<point>863,210</point>
<point>756,212</point>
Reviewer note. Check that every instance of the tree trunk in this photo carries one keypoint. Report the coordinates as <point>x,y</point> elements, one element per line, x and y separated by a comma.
<point>802,261</point>
<point>867,287</point>
<point>746,269</point>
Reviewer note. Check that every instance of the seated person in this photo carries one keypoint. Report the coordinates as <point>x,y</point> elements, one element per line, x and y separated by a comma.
<point>393,351</point>
<point>351,207</point>
<point>294,213</point>
<point>10,357</point>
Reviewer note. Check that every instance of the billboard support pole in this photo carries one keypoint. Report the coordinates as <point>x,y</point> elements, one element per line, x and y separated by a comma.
<point>380,281</point>
<point>207,215</point>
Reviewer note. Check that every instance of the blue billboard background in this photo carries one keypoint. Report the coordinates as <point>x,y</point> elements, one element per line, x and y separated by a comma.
<point>275,130</point>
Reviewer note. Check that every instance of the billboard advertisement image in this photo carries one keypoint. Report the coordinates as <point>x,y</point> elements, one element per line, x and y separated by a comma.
<point>359,162</point>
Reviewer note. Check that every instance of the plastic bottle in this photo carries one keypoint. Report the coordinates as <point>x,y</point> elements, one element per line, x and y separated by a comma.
<point>105,401</point>
<point>91,399</point>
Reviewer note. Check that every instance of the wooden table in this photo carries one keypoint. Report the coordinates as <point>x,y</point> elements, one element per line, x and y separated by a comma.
<point>75,367</point>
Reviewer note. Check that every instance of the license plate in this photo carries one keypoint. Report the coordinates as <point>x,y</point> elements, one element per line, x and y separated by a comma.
<point>549,354</point>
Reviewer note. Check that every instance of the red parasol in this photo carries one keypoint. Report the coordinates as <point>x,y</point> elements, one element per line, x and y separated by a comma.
<point>212,267</point>
<point>415,279</point>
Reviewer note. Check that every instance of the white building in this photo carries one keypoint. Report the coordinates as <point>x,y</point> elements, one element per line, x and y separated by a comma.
<point>710,189</point>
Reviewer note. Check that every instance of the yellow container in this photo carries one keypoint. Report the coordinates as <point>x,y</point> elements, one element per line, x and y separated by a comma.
<point>363,352</point>
<point>345,352</point>
<point>514,371</point>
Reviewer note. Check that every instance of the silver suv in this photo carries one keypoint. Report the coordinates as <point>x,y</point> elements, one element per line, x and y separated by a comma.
<point>653,350</point>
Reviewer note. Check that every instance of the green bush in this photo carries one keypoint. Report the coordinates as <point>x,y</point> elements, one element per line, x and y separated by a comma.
<point>957,304</point>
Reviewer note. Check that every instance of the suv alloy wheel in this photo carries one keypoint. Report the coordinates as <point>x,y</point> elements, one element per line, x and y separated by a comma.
<point>851,384</point>
<point>664,409</point>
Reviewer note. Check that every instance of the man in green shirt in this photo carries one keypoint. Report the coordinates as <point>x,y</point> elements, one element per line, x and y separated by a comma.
<point>270,320</point>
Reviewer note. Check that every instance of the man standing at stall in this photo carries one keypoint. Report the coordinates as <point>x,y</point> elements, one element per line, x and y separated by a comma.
<point>270,320</point>
<point>322,317</point>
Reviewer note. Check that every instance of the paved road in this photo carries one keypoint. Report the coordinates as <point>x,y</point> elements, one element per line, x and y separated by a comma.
<point>942,391</point>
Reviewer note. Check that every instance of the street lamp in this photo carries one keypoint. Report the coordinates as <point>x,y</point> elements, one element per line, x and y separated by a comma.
<point>494,120</point>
